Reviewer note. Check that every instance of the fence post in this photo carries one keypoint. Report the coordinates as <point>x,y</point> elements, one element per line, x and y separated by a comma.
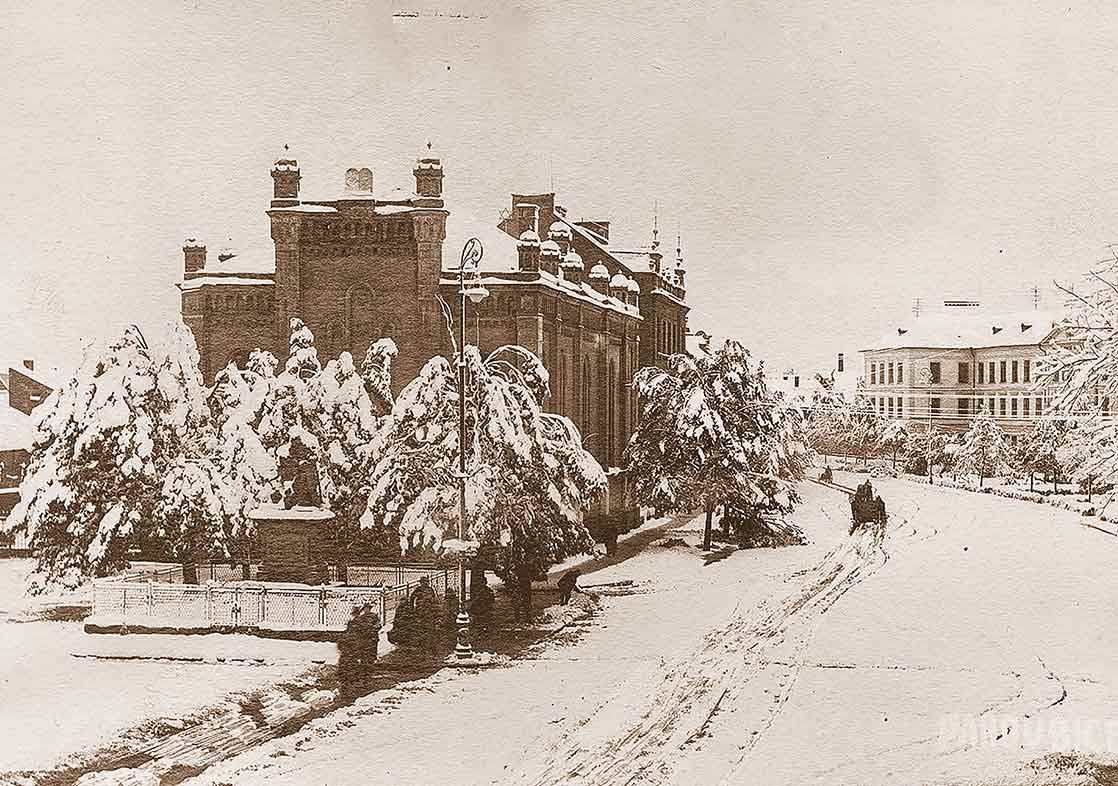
<point>236,605</point>
<point>383,608</point>
<point>151,598</point>
<point>209,604</point>
<point>263,605</point>
<point>322,607</point>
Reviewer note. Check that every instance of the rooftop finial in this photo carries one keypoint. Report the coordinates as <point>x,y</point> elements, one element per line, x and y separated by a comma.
<point>655,225</point>
<point>678,248</point>
<point>428,145</point>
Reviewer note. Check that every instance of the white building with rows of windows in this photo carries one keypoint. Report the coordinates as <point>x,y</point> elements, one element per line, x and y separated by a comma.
<point>941,370</point>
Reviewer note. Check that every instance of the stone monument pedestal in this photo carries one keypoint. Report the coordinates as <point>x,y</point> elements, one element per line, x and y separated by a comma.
<point>297,543</point>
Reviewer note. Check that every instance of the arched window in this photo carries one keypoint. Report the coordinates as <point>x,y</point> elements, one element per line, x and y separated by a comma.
<point>360,317</point>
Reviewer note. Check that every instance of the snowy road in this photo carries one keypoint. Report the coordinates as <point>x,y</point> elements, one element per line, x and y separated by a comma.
<point>848,661</point>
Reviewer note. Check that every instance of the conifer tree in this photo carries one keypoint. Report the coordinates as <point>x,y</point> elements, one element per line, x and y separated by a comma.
<point>983,450</point>
<point>711,434</point>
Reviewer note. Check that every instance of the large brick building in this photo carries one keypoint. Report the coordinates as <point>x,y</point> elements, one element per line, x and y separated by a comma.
<point>364,265</point>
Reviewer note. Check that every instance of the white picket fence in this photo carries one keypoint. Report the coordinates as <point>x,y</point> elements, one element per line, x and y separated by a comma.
<point>125,601</point>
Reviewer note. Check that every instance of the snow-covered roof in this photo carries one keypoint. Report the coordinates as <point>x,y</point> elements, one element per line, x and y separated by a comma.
<point>969,331</point>
<point>304,208</point>
<point>581,291</point>
<point>549,248</point>
<point>51,376</point>
<point>599,271</point>
<point>633,286</point>
<point>228,281</point>
<point>619,281</point>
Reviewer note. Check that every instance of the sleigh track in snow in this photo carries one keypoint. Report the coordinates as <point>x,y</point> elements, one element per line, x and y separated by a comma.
<point>731,661</point>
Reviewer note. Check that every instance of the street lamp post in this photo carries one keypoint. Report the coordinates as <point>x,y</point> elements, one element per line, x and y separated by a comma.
<point>471,258</point>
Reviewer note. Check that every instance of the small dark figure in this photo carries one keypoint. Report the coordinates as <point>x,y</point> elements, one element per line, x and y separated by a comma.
<point>826,475</point>
<point>568,584</point>
<point>427,614</point>
<point>299,471</point>
<point>357,650</point>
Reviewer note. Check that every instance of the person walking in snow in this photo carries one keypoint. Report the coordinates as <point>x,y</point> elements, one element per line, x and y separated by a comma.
<point>568,584</point>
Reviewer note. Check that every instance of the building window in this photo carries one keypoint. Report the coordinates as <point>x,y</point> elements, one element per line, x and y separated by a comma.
<point>964,407</point>
<point>1039,406</point>
<point>933,369</point>
<point>900,407</point>
<point>1001,402</point>
<point>1026,371</point>
<point>933,406</point>
<point>981,373</point>
<point>992,410</point>
<point>873,373</point>
<point>964,372</point>
<point>1025,406</point>
<point>890,406</point>
<point>1001,371</point>
<point>900,373</point>
<point>840,362</point>
<point>1015,371</point>
<point>890,373</point>
<point>1013,406</point>
<point>990,374</point>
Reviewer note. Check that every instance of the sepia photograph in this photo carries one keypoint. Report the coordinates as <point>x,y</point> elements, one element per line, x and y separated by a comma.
<point>413,393</point>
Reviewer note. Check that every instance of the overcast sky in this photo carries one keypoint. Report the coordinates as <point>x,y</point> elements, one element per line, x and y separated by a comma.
<point>825,162</point>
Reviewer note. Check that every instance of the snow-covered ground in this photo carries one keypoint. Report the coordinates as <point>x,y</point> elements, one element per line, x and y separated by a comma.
<point>860,660</point>
<point>56,704</point>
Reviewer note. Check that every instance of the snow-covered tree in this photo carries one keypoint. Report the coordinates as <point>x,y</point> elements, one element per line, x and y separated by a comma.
<point>893,438</point>
<point>711,434</point>
<point>340,415</point>
<point>984,451</point>
<point>104,445</point>
<point>192,515</point>
<point>1039,450</point>
<point>526,490</point>
<point>1080,372</point>
<point>302,357</point>
<point>248,469</point>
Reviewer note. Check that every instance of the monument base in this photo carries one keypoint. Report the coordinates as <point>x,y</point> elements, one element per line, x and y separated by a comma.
<point>297,544</point>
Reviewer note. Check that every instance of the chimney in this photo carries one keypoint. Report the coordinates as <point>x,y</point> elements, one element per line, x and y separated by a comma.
<point>359,181</point>
<point>549,257</point>
<point>29,365</point>
<point>619,287</point>
<point>561,234</point>
<point>599,279</point>
<point>525,217</point>
<point>428,177</point>
<point>285,183</point>
<point>572,267</point>
<point>528,250</point>
<point>194,256</point>
<point>840,362</point>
